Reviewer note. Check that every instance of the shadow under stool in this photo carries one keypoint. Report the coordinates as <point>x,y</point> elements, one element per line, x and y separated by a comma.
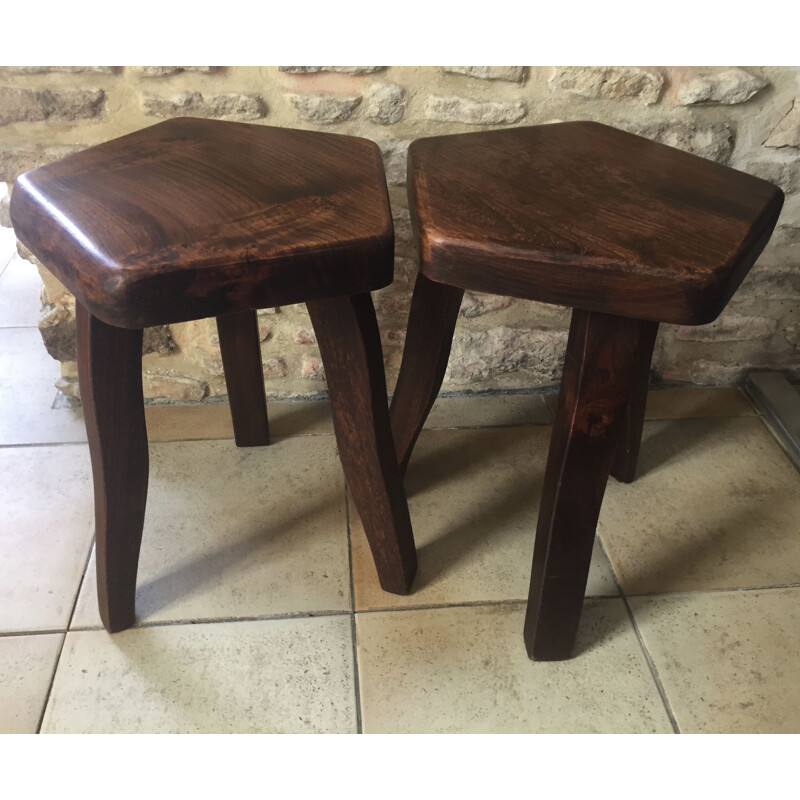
<point>625,231</point>
<point>198,218</point>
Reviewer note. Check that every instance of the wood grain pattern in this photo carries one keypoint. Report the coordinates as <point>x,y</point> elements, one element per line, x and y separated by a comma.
<point>630,440</point>
<point>194,218</point>
<point>244,377</point>
<point>628,232</point>
<point>110,375</point>
<point>599,372</point>
<point>431,322</point>
<point>200,218</point>
<point>350,345</point>
<point>586,216</point>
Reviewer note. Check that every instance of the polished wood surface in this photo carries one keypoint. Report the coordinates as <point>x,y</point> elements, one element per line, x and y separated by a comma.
<point>630,440</point>
<point>194,218</point>
<point>110,374</point>
<point>628,232</point>
<point>350,345</point>
<point>432,320</point>
<point>599,373</point>
<point>198,218</point>
<point>244,376</point>
<point>587,216</point>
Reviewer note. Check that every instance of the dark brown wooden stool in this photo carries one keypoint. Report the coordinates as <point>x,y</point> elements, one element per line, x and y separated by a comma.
<point>197,218</point>
<point>627,232</point>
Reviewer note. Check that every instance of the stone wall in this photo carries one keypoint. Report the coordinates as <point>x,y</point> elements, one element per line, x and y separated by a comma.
<point>748,118</point>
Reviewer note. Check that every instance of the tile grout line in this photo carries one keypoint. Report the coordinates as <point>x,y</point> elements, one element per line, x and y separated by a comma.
<point>353,630</point>
<point>64,640</point>
<point>652,666</point>
<point>645,652</point>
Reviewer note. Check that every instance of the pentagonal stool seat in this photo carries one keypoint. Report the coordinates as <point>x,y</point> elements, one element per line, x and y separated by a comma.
<point>627,232</point>
<point>196,218</point>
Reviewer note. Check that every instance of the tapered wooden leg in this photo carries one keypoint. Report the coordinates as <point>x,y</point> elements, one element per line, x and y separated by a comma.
<point>347,333</point>
<point>599,373</point>
<point>110,373</point>
<point>431,322</point>
<point>627,455</point>
<point>244,376</point>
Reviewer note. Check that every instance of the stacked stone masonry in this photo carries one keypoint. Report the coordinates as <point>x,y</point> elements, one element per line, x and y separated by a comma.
<point>748,118</point>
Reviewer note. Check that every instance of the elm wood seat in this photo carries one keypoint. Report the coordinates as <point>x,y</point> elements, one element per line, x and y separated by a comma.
<point>627,232</point>
<point>195,218</point>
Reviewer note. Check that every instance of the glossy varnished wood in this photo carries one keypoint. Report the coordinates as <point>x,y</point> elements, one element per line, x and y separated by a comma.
<point>583,215</point>
<point>244,377</point>
<point>350,345</point>
<point>194,218</point>
<point>596,387</point>
<point>630,440</point>
<point>432,320</point>
<point>628,232</point>
<point>110,375</point>
<point>199,218</point>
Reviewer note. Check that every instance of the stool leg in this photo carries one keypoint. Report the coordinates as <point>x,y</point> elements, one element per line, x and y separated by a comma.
<point>347,333</point>
<point>110,374</point>
<point>244,377</point>
<point>599,373</point>
<point>431,322</point>
<point>627,455</point>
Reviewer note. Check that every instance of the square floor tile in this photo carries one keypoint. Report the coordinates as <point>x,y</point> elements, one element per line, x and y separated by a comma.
<point>20,289</point>
<point>729,662</point>
<point>213,420</point>
<point>716,505</point>
<point>489,411</point>
<point>239,532</point>
<point>26,669</point>
<point>276,676</point>
<point>474,501</point>
<point>27,391</point>
<point>465,670</point>
<point>45,534</point>
<point>686,403</point>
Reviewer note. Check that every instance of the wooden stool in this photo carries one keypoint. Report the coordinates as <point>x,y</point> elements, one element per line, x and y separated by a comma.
<point>627,232</point>
<point>197,218</point>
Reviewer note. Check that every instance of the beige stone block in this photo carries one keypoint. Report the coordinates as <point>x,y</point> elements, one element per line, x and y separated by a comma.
<point>510,74</point>
<point>344,70</point>
<point>276,676</point>
<point>195,104</point>
<point>474,112</point>
<point>614,83</point>
<point>324,108</point>
<point>386,103</point>
<point>787,132</point>
<point>465,670</point>
<point>18,158</point>
<point>30,105</point>
<point>727,87</point>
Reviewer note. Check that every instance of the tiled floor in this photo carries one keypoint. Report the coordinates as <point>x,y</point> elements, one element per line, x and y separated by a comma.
<point>259,609</point>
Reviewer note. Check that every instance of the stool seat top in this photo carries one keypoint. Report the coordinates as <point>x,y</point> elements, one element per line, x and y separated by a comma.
<point>584,215</point>
<point>192,218</point>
